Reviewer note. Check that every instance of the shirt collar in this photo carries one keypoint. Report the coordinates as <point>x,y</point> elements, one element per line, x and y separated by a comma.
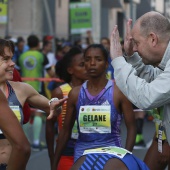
<point>165,58</point>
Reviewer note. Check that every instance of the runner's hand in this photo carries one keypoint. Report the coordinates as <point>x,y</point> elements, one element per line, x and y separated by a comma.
<point>54,105</point>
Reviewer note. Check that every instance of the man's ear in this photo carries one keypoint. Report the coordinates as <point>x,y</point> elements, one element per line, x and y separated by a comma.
<point>153,38</point>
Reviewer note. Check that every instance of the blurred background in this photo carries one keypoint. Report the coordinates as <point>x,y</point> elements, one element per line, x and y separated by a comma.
<point>71,22</point>
<point>71,19</point>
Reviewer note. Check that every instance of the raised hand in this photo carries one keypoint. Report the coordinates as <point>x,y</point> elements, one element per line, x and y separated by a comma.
<point>115,46</point>
<point>55,105</point>
<point>128,41</point>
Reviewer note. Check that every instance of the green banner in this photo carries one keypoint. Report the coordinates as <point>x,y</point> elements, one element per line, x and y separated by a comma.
<point>3,11</point>
<point>80,17</point>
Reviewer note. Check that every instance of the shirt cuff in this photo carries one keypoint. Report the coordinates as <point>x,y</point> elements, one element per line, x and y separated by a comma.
<point>118,62</point>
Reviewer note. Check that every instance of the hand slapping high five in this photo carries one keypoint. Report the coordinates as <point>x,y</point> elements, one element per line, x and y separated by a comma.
<point>115,46</point>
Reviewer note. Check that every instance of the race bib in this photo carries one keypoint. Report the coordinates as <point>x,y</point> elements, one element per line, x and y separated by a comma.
<point>113,150</point>
<point>95,119</point>
<point>16,110</point>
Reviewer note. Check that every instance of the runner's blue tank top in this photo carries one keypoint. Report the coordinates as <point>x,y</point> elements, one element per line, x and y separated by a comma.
<point>14,105</point>
<point>92,133</point>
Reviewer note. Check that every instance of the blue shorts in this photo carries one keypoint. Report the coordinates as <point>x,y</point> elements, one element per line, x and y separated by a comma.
<point>99,160</point>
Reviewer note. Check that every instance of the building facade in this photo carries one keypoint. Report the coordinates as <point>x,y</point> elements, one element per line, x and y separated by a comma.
<point>41,17</point>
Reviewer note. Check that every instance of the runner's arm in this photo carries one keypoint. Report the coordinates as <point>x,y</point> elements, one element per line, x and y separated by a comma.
<point>65,133</point>
<point>129,118</point>
<point>14,133</point>
<point>39,101</point>
<point>50,128</point>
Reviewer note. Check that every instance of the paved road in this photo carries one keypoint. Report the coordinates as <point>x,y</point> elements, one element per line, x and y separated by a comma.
<point>40,160</point>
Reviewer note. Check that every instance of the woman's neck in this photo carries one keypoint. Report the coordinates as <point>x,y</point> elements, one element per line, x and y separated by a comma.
<point>96,85</point>
<point>4,88</point>
<point>75,83</point>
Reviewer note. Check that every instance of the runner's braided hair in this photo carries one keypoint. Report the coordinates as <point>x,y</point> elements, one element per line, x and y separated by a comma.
<point>63,64</point>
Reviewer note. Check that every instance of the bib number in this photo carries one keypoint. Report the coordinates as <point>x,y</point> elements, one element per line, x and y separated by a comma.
<point>95,119</point>
<point>112,150</point>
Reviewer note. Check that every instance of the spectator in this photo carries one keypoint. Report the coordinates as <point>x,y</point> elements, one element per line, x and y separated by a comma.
<point>32,64</point>
<point>145,80</point>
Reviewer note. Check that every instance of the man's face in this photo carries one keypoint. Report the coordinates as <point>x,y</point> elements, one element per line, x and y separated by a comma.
<point>21,46</point>
<point>143,45</point>
<point>49,47</point>
<point>140,44</point>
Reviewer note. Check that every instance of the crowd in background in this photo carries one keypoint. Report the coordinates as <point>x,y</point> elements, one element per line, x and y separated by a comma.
<point>51,51</point>
<point>83,74</point>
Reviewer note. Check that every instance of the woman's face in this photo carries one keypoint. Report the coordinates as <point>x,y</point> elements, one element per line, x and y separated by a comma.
<point>95,62</point>
<point>6,65</point>
<point>77,68</point>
